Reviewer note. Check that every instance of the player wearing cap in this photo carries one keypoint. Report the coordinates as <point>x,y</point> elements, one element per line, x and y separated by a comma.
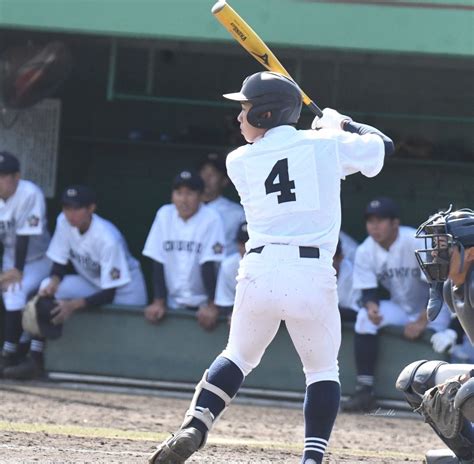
<point>214,174</point>
<point>103,270</point>
<point>227,277</point>
<point>386,258</point>
<point>288,181</point>
<point>347,296</point>
<point>185,242</point>
<point>24,237</point>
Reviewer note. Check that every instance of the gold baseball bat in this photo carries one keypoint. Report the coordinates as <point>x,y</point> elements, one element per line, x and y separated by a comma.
<point>250,40</point>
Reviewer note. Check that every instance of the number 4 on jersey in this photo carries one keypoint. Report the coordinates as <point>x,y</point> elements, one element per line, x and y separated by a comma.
<point>284,184</point>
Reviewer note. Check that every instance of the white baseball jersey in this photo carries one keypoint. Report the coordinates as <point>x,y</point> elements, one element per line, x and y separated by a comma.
<point>232,215</point>
<point>348,296</point>
<point>289,183</point>
<point>100,255</point>
<point>396,269</point>
<point>182,246</point>
<point>289,186</point>
<point>348,246</point>
<point>227,280</point>
<point>24,213</point>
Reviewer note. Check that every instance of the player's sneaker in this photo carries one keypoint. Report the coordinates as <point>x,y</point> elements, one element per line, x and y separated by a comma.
<point>178,448</point>
<point>363,400</point>
<point>28,369</point>
<point>6,360</point>
<point>441,456</point>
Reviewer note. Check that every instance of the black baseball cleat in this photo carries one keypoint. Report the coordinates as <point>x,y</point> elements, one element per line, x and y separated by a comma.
<point>363,400</point>
<point>28,369</point>
<point>178,448</point>
<point>7,360</point>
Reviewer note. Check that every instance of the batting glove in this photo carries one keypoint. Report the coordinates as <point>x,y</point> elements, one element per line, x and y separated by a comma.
<point>331,119</point>
<point>444,340</point>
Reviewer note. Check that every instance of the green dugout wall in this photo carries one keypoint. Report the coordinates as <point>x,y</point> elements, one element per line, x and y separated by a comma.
<point>144,100</point>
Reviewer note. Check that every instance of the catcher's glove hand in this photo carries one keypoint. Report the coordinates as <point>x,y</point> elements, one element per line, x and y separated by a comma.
<point>438,408</point>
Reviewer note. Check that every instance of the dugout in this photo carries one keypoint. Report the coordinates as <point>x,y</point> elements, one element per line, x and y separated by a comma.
<point>143,100</point>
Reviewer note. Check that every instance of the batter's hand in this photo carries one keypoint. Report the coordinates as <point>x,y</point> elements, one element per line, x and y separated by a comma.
<point>374,313</point>
<point>65,309</point>
<point>155,311</point>
<point>10,278</point>
<point>331,119</point>
<point>207,316</point>
<point>51,288</point>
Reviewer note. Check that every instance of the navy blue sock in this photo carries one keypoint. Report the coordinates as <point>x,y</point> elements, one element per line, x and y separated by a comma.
<point>365,346</point>
<point>224,374</point>
<point>12,330</point>
<point>320,410</point>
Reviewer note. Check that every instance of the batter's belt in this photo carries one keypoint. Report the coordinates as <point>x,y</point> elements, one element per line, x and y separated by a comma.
<point>305,252</point>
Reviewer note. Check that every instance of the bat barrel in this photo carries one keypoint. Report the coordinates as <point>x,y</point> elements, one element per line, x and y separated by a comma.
<point>218,6</point>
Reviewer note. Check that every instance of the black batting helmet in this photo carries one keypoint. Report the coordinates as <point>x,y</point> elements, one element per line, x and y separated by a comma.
<point>273,92</point>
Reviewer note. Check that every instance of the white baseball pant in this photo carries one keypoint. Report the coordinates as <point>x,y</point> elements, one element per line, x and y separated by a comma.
<point>278,285</point>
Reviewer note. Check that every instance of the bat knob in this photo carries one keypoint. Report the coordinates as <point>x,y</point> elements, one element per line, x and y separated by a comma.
<point>218,6</point>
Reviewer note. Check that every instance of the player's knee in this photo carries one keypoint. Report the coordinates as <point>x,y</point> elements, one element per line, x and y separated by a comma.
<point>363,324</point>
<point>416,378</point>
<point>320,376</point>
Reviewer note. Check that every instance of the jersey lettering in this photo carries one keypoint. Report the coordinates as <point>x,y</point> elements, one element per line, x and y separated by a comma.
<point>284,184</point>
<point>182,245</point>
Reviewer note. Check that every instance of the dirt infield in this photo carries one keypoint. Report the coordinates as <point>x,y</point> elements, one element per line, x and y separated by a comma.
<point>42,424</point>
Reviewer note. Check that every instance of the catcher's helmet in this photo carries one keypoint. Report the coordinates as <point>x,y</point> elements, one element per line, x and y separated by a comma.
<point>270,91</point>
<point>445,230</point>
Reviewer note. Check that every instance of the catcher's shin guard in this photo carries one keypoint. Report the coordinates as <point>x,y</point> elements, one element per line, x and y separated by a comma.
<point>188,439</point>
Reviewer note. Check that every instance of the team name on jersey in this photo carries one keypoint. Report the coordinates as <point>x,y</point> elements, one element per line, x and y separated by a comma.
<point>399,273</point>
<point>182,245</point>
<point>85,261</point>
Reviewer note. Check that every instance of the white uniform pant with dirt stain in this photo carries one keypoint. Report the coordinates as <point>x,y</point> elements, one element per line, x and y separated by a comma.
<point>277,285</point>
<point>75,286</point>
<point>14,298</point>
<point>394,314</point>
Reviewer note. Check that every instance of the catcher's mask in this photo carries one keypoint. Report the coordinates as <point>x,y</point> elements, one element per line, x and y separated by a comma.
<point>441,232</point>
<point>36,318</point>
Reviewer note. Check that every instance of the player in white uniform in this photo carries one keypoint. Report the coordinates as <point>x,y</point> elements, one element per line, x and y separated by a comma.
<point>105,271</point>
<point>185,242</point>
<point>348,297</point>
<point>349,246</point>
<point>386,258</point>
<point>24,238</point>
<point>227,277</point>
<point>289,185</point>
<point>214,174</point>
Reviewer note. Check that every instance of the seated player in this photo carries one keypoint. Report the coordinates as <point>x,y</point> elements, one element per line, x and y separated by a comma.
<point>444,393</point>
<point>214,174</point>
<point>227,277</point>
<point>103,270</point>
<point>186,242</point>
<point>24,239</point>
<point>386,258</point>
<point>348,297</point>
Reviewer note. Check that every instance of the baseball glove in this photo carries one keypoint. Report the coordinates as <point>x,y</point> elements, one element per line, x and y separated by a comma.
<point>438,408</point>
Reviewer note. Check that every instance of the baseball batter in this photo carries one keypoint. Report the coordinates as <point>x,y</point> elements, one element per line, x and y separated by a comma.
<point>289,185</point>
<point>386,258</point>
<point>103,270</point>
<point>25,238</point>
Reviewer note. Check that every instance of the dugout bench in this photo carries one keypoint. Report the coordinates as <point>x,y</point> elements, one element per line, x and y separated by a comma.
<point>117,341</point>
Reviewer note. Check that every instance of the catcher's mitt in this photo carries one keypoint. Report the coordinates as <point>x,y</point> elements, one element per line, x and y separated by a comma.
<point>438,408</point>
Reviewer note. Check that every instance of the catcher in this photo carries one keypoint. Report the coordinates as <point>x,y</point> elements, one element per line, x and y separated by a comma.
<point>444,393</point>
